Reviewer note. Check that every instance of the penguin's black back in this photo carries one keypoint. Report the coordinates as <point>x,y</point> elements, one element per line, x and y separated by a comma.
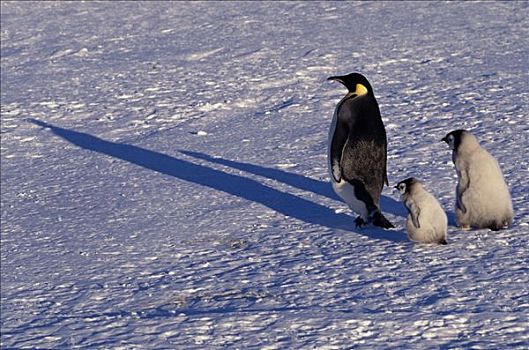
<point>364,153</point>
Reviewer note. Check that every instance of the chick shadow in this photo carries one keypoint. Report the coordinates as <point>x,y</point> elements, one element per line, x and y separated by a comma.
<point>248,189</point>
<point>451,216</point>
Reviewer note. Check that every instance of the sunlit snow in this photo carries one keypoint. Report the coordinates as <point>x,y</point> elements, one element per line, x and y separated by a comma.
<point>164,181</point>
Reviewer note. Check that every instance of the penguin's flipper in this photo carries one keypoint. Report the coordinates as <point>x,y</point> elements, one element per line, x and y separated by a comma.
<point>414,212</point>
<point>462,186</point>
<point>386,164</point>
<point>337,145</point>
<point>460,205</point>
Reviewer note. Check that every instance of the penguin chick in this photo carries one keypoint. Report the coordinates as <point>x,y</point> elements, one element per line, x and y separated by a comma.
<point>357,151</point>
<point>482,196</point>
<point>426,221</point>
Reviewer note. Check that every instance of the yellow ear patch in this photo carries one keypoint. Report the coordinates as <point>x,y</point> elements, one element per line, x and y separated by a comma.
<point>360,90</point>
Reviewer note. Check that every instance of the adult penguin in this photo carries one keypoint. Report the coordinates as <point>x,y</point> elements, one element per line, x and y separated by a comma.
<point>357,152</point>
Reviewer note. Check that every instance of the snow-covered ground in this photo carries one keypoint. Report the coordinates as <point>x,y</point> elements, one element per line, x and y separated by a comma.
<point>164,179</point>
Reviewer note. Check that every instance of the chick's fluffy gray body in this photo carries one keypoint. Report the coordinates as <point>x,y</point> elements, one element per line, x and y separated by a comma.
<point>426,221</point>
<point>482,196</point>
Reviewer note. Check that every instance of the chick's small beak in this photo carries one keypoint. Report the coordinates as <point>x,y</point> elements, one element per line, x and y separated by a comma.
<point>444,139</point>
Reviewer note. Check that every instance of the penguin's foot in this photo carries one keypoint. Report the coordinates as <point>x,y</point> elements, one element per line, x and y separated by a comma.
<point>380,220</point>
<point>359,222</point>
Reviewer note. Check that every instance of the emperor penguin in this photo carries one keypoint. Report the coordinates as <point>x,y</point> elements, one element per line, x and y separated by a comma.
<point>357,151</point>
<point>426,221</point>
<point>482,196</point>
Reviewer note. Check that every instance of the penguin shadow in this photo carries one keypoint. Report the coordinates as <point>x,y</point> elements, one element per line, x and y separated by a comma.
<point>322,188</point>
<point>243,187</point>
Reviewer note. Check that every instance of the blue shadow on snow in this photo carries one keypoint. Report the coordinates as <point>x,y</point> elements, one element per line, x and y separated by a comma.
<point>322,188</point>
<point>284,203</point>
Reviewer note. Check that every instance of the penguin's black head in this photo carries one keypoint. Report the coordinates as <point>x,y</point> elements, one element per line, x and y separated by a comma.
<point>453,138</point>
<point>404,186</point>
<point>355,83</point>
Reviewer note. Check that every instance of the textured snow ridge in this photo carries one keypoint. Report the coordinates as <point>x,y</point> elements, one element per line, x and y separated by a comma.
<point>164,177</point>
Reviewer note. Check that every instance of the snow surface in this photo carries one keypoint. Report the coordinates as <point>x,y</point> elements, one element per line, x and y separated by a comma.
<point>164,178</point>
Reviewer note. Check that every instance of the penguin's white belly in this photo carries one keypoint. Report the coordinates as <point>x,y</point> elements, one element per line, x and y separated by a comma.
<point>346,191</point>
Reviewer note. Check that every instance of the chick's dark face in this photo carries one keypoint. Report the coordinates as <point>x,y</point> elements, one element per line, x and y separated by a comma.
<point>450,141</point>
<point>401,187</point>
<point>453,139</point>
<point>405,186</point>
